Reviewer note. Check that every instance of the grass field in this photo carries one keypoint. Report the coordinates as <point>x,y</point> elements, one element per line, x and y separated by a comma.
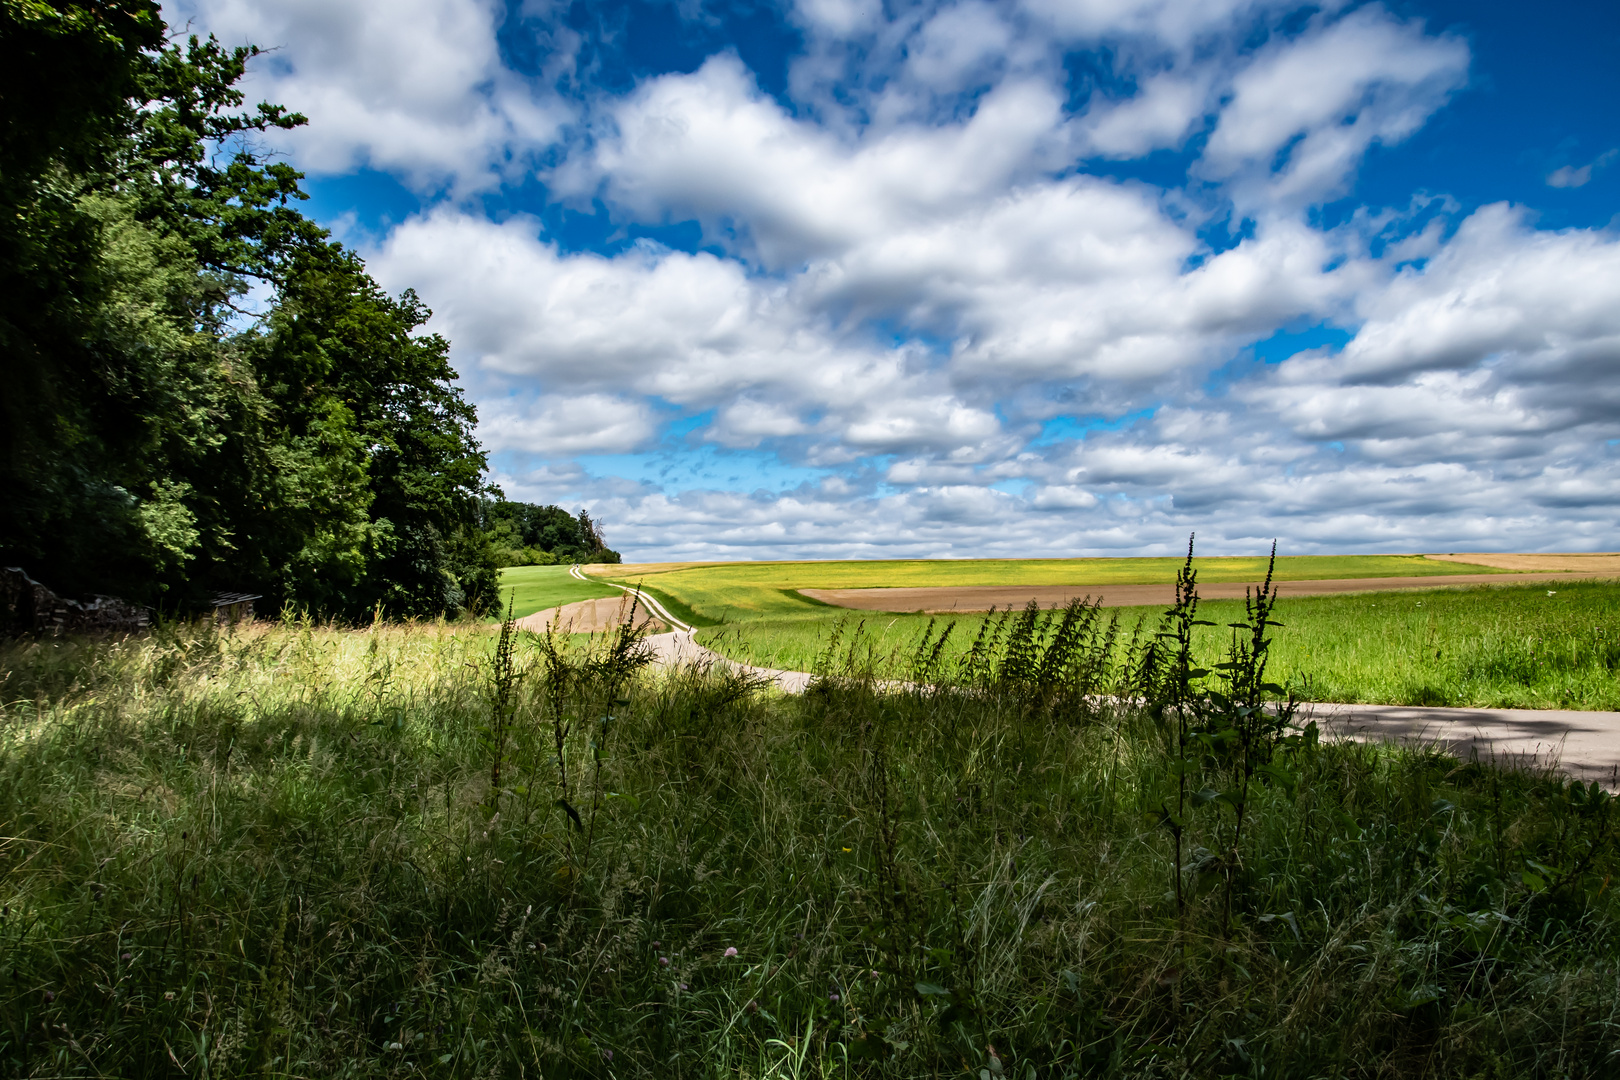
<point>717,592</point>
<point>1527,646</point>
<point>536,588</point>
<point>283,853</point>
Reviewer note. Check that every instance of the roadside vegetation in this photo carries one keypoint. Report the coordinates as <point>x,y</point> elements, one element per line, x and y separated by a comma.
<point>1545,646</point>
<point>434,850</point>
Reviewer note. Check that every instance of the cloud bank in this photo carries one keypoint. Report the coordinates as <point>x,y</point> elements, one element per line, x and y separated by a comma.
<point>939,294</point>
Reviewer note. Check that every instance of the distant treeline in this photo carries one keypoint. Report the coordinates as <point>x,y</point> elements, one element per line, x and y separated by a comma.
<point>523,534</point>
<point>201,390</point>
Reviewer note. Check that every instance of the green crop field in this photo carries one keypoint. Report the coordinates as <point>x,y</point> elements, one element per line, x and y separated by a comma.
<point>1520,646</point>
<point>716,592</point>
<point>536,588</point>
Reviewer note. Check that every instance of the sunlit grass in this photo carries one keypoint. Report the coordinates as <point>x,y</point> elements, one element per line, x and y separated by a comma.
<point>1522,646</point>
<point>537,588</point>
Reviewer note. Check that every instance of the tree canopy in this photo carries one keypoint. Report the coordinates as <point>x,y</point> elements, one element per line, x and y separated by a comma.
<point>524,534</point>
<point>204,391</point>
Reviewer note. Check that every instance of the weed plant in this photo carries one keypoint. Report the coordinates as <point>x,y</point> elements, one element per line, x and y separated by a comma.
<point>292,851</point>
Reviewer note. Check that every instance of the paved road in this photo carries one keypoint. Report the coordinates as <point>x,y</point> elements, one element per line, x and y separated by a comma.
<point>1585,745</point>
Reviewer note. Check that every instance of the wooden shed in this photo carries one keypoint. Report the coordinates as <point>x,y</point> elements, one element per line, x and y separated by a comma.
<point>234,607</point>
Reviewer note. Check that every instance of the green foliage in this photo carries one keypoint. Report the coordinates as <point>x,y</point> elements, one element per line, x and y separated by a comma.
<point>160,442</point>
<point>526,534</point>
<point>281,852</point>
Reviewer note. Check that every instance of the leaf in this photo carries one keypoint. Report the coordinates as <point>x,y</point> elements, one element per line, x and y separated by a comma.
<point>1287,917</point>
<point>1279,776</point>
<point>1204,796</point>
<point>630,801</point>
<point>1421,995</point>
<point>868,1047</point>
<point>928,989</point>
<point>573,814</point>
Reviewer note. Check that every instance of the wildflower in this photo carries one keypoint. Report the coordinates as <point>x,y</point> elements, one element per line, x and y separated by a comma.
<point>168,995</point>
<point>663,961</point>
<point>126,957</point>
<point>607,1055</point>
<point>658,944</point>
<point>50,996</point>
<point>833,996</point>
<point>731,951</point>
<point>685,987</point>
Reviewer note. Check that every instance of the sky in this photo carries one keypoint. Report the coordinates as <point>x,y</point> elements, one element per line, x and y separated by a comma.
<point>850,279</point>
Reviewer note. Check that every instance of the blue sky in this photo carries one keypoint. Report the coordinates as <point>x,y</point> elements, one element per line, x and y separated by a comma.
<point>838,278</point>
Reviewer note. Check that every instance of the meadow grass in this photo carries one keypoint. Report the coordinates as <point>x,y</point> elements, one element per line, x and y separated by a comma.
<point>282,852</point>
<point>537,588</point>
<point>1544,646</point>
<point>719,592</point>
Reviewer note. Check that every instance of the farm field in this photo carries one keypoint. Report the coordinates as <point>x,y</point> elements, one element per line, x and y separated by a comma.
<point>536,588</point>
<point>286,851</point>
<point>1519,646</point>
<point>710,593</point>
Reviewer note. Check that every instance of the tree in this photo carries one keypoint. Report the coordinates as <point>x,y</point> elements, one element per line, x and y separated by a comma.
<point>160,441</point>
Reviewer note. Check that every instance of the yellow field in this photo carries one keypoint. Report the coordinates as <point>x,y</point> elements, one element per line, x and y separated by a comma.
<point>729,591</point>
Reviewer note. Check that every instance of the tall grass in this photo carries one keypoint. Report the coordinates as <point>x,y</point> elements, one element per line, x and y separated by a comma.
<point>284,852</point>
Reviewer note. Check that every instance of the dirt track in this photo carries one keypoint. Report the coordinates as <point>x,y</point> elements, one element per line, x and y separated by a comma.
<point>983,597</point>
<point>588,616</point>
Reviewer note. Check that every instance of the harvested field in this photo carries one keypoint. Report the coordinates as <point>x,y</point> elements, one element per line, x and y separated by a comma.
<point>941,600</point>
<point>589,616</point>
<point>1601,562</point>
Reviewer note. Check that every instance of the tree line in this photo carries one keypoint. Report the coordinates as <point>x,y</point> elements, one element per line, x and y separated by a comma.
<point>203,391</point>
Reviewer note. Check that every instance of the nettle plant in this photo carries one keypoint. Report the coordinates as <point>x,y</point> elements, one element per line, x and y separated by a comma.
<point>1227,728</point>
